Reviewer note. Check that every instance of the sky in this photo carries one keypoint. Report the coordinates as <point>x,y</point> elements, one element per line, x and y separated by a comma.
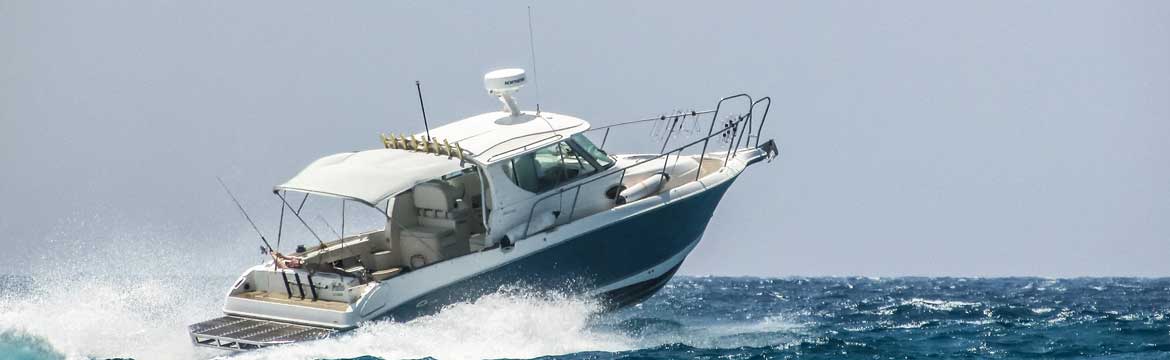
<point>933,138</point>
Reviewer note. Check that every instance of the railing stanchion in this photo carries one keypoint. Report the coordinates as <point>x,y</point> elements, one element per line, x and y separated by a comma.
<point>767,107</point>
<point>714,117</point>
<point>528,226</point>
<point>669,132</point>
<point>621,179</point>
<point>703,153</point>
<point>702,156</point>
<point>747,129</point>
<point>573,209</point>
<point>730,144</point>
<point>665,161</point>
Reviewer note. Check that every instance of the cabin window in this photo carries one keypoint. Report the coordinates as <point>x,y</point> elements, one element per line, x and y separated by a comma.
<point>522,171</point>
<point>548,167</point>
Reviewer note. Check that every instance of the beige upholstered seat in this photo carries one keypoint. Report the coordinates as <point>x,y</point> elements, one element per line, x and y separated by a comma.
<point>442,228</point>
<point>431,243</point>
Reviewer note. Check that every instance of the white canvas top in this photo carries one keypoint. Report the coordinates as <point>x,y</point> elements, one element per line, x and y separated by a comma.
<point>370,176</point>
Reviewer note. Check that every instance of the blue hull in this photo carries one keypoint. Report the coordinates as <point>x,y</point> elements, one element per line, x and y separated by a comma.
<point>592,260</point>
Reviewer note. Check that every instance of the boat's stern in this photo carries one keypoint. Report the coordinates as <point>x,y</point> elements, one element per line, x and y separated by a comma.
<point>241,333</point>
<point>269,306</point>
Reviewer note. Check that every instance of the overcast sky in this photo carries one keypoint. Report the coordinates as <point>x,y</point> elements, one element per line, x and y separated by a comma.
<point>981,138</point>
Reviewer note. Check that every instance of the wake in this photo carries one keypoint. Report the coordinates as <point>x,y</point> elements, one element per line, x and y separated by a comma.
<point>505,324</point>
<point>140,305</point>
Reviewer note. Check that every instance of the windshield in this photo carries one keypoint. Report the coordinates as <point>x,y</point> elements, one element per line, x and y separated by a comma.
<point>548,167</point>
<point>598,155</point>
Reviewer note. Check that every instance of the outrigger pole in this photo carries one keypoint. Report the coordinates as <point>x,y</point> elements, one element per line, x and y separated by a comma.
<point>242,211</point>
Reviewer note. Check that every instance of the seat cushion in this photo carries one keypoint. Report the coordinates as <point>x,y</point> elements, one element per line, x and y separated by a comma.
<point>357,269</point>
<point>381,260</point>
<point>435,195</point>
<point>386,274</point>
<point>426,232</point>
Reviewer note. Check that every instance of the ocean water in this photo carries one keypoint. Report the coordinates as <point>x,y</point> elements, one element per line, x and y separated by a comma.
<point>84,317</point>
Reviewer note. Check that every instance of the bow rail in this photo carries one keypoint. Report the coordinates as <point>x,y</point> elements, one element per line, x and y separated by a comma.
<point>731,130</point>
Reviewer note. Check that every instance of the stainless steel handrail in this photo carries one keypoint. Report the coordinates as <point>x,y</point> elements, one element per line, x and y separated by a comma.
<point>716,116</point>
<point>732,147</point>
<point>762,117</point>
<point>519,148</point>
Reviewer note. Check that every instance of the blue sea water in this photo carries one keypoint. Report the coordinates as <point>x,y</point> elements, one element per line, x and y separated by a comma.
<point>692,317</point>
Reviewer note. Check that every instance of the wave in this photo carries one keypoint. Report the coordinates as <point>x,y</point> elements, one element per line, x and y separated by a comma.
<point>20,345</point>
<point>518,324</point>
<point>711,334</point>
<point>131,313</point>
<point>81,318</point>
<point>146,318</point>
<point>139,312</point>
<point>129,295</point>
<point>132,295</point>
<point>508,324</point>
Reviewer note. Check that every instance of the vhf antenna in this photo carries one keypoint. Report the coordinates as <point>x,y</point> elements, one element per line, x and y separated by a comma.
<point>532,50</point>
<point>424,109</point>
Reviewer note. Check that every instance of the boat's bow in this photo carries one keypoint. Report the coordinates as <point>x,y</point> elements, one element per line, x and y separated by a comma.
<point>767,150</point>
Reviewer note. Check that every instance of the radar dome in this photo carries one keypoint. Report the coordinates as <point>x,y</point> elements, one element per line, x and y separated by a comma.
<point>503,83</point>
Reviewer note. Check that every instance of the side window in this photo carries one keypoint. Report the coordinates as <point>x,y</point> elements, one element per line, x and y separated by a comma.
<point>547,168</point>
<point>522,171</point>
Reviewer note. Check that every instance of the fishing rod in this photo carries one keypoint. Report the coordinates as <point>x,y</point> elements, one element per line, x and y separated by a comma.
<point>322,218</point>
<point>242,211</point>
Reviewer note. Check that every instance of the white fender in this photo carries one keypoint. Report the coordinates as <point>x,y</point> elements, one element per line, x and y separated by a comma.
<point>643,188</point>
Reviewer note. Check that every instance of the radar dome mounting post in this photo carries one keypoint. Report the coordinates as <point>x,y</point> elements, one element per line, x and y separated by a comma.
<point>503,83</point>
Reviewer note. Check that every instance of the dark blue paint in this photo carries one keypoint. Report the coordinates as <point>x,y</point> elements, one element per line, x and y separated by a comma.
<point>596,258</point>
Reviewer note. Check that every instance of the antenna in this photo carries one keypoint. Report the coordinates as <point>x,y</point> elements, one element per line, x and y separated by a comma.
<point>424,109</point>
<point>532,50</point>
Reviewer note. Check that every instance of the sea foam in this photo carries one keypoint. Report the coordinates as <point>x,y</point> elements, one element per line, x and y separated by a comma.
<point>507,324</point>
<point>112,293</point>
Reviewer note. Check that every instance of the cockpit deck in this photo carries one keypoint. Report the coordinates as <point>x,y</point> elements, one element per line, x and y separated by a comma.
<point>286,299</point>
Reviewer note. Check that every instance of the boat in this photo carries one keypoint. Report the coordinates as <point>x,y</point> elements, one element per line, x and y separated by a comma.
<point>505,198</point>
